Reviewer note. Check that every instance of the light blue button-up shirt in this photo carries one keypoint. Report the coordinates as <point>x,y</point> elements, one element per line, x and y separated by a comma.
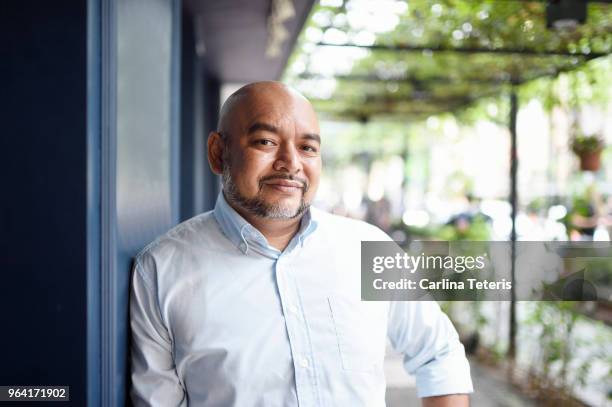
<point>220,318</point>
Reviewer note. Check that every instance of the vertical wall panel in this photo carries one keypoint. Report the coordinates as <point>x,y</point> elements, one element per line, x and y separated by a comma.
<point>189,154</point>
<point>94,140</point>
<point>89,162</point>
<point>141,194</point>
<point>43,264</point>
<point>208,103</point>
<point>199,106</point>
<point>144,150</point>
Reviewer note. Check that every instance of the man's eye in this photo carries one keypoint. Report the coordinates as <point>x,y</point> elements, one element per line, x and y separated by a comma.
<point>309,149</point>
<point>264,142</point>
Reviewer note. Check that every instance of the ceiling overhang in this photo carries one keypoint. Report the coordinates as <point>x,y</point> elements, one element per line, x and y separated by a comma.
<point>234,37</point>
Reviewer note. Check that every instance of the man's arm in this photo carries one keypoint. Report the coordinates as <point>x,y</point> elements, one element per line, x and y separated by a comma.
<point>451,400</point>
<point>154,378</point>
<point>432,352</point>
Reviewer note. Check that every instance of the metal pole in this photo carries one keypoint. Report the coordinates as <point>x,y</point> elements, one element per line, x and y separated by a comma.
<point>405,157</point>
<point>513,203</point>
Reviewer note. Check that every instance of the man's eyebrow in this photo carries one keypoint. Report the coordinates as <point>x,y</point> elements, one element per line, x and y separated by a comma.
<point>312,136</point>
<point>257,126</point>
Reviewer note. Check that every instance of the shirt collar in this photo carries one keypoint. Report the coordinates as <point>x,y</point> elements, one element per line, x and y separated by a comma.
<point>245,236</point>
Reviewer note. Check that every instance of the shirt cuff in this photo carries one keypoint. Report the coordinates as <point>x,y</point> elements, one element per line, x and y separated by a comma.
<point>450,375</point>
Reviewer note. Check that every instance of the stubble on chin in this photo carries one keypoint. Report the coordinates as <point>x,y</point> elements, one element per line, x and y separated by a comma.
<point>257,205</point>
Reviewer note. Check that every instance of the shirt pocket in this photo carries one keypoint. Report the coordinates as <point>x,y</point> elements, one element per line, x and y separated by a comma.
<point>360,332</point>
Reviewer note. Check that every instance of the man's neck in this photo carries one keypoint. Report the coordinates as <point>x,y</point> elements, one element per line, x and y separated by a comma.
<point>278,232</point>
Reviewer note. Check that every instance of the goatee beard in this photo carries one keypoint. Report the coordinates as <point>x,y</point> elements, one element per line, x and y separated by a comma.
<point>257,206</point>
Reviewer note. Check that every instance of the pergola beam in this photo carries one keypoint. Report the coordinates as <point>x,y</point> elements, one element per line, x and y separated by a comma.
<point>450,104</point>
<point>466,50</point>
<point>407,79</point>
<point>418,97</point>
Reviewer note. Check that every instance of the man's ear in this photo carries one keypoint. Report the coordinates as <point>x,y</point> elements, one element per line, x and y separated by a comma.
<point>216,145</point>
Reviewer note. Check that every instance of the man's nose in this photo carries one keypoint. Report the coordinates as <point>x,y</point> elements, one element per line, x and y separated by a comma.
<point>288,159</point>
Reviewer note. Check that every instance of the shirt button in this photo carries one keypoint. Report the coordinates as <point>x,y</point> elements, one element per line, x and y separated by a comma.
<point>293,309</point>
<point>303,362</point>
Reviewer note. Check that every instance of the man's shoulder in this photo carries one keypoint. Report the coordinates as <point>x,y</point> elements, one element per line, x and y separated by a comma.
<point>202,231</point>
<point>335,225</point>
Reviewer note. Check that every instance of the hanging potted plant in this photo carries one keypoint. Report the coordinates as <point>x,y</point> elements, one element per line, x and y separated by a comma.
<point>588,149</point>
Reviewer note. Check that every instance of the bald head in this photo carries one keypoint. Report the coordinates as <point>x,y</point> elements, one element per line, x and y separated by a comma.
<point>268,150</point>
<point>255,96</point>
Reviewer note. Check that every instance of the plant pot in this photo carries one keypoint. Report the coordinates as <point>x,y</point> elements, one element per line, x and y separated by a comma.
<point>590,161</point>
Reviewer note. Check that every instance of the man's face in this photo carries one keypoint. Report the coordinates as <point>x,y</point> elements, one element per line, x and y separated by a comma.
<point>272,159</point>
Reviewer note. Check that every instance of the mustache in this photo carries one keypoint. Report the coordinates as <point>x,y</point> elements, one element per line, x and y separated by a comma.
<point>287,177</point>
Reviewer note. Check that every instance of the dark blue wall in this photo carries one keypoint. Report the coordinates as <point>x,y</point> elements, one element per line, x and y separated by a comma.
<point>100,146</point>
<point>43,226</point>
<point>199,113</point>
<point>190,139</point>
<point>209,108</point>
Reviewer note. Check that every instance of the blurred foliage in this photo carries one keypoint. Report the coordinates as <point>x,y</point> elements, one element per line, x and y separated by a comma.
<point>472,228</point>
<point>587,144</point>
<point>448,66</point>
<point>565,357</point>
<point>437,82</point>
<point>476,229</point>
<point>588,84</point>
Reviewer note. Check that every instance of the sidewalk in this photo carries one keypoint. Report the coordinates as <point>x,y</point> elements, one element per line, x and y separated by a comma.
<point>489,390</point>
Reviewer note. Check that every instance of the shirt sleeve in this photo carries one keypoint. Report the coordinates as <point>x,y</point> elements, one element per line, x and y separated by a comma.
<point>431,348</point>
<point>154,378</point>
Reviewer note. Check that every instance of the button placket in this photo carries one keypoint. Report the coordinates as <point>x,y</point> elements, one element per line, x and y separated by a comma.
<point>297,331</point>
<point>304,362</point>
<point>294,310</point>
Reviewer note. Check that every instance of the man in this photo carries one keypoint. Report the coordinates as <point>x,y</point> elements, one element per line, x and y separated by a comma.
<point>257,303</point>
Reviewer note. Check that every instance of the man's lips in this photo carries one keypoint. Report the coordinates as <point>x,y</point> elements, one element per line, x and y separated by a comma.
<point>284,185</point>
